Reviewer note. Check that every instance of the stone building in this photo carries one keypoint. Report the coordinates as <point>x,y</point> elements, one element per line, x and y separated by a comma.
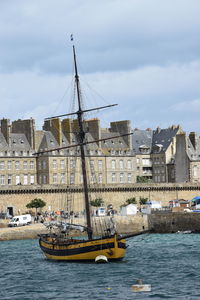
<point>187,161</point>
<point>110,161</point>
<point>155,154</point>
<point>17,163</point>
<point>142,146</point>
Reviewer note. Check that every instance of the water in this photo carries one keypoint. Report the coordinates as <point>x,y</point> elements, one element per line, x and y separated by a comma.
<point>169,262</point>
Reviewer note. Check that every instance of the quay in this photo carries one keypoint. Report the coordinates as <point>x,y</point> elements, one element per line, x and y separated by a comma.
<point>160,222</point>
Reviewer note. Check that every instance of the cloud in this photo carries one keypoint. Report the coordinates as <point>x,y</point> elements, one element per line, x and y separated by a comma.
<point>142,54</point>
<point>190,106</point>
<point>110,36</point>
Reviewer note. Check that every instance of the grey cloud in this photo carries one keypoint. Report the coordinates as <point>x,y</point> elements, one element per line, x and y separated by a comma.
<point>110,35</point>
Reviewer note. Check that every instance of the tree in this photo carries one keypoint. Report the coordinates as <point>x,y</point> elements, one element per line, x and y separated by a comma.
<point>142,179</point>
<point>36,203</point>
<point>97,202</point>
<point>131,200</point>
<point>143,200</point>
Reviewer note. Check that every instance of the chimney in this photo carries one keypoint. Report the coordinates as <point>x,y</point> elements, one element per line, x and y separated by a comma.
<point>27,127</point>
<point>54,126</point>
<point>67,129</point>
<point>5,129</point>
<point>93,127</point>
<point>193,139</point>
<point>123,127</point>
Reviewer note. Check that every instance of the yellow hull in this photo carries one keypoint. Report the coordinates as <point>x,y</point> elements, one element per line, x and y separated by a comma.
<point>77,250</point>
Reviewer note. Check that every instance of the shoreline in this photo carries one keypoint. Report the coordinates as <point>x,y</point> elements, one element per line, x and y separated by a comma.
<point>124,225</point>
<point>23,232</point>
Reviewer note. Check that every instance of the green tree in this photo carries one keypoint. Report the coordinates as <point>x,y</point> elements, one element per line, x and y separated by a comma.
<point>143,200</point>
<point>36,203</point>
<point>131,200</point>
<point>143,179</point>
<point>97,202</point>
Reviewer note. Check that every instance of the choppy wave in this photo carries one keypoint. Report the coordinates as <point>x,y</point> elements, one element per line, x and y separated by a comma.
<point>169,262</point>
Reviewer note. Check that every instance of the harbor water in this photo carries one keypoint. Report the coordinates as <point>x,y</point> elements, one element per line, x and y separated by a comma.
<point>169,262</point>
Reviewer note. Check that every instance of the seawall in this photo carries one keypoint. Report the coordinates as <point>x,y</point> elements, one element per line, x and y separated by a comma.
<point>157,223</point>
<point>58,197</point>
<point>174,222</point>
<point>124,225</point>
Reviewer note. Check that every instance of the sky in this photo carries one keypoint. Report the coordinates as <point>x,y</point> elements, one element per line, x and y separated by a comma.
<point>143,55</point>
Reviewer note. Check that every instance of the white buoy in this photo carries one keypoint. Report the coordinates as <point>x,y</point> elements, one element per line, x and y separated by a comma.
<point>101,259</point>
<point>140,287</point>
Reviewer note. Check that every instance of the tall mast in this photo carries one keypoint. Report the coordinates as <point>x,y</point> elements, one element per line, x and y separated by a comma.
<point>81,137</point>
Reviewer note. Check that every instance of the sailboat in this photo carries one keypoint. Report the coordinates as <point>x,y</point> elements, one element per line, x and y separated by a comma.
<point>62,245</point>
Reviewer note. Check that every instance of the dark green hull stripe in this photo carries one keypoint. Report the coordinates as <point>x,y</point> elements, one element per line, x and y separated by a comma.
<point>81,250</point>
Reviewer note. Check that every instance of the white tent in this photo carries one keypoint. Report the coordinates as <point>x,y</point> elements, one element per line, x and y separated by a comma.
<point>128,210</point>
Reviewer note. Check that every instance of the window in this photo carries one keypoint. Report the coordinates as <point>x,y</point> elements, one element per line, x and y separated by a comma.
<point>54,178</point>
<point>146,162</point>
<point>129,177</point>
<point>25,165</point>
<point>129,164</point>
<point>113,164</point>
<point>39,165</point>
<point>93,178</point>
<point>2,165</point>
<point>100,178</point>
<point>62,178</point>
<point>62,164</point>
<point>121,177</point>
<point>31,164</point>
<point>72,178</point>
<point>100,164</point>
<point>72,163</point>
<point>54,164</point>
<point>195,171</point>
<point>91,164</point>
<point>81,178</point>
<point>113,177</point>
<point>17,165</point>
<point>32,179</point>
<point>25,179</point>
<point>9,179</point>
<point>2,179</point>
<point>9,165</point>
<point>138,160</point>
<point>44,179</point>
<point>44,164</point>
<point>17,179</point>
<point>121,164</point>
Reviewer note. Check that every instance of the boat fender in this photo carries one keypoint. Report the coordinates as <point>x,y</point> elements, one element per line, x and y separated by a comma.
<point>101,259</point>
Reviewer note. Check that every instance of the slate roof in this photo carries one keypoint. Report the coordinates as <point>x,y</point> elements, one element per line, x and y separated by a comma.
<point>142,138</point>
<point>163,137</point>
<point>18,142</point>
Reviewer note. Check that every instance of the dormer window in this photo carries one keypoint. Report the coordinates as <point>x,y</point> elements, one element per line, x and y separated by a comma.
<point>22,141</point>
<point>14,141</point>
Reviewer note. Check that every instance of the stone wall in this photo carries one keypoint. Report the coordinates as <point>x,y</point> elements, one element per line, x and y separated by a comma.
<point>174,222</point>
<point>64,197</point>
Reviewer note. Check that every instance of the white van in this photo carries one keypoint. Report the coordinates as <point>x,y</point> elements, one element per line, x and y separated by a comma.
<point>20,221</point>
